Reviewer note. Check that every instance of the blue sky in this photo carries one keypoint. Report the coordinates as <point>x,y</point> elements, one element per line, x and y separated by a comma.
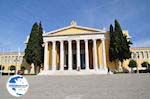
<point>18,16</point>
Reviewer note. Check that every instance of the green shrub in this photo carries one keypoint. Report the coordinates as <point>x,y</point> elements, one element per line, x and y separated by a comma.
<point>132,64</point>
<point>146,64</point>
<point>12,67</point>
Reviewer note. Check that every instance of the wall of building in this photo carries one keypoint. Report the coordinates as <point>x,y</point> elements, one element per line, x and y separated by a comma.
<point>112,65</point>
<point>139,55</point>
<point>11,58</point>
<point>72,30</point>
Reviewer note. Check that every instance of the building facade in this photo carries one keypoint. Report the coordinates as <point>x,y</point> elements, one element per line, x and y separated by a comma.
<point>11,58</point>
<point>140,55</point>
<point>77,48</point>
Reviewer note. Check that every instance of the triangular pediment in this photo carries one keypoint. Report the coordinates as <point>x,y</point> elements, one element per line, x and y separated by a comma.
<point>72,30</point>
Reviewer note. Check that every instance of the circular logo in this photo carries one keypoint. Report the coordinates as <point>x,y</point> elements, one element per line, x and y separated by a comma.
<point>17,85</point>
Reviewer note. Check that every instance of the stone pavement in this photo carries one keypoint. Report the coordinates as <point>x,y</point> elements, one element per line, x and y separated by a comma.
<point>117,86</point>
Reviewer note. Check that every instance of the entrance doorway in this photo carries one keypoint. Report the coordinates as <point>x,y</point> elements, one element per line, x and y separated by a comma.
<point>82,58</point>
<point>74,62</point>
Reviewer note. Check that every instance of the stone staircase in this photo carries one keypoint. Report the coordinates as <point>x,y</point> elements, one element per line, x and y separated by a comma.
<point>75,72</point>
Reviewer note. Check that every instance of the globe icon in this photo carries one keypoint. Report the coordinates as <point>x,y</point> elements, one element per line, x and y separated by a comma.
<point>17,85</point>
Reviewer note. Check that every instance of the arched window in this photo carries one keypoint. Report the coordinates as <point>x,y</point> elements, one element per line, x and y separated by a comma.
<point>142,55</point>
<point>133,55</point>
<point>137,55</point>
<point>5,59</point>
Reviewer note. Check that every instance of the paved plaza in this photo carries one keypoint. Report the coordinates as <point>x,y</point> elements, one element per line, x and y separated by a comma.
<point>118,86</point>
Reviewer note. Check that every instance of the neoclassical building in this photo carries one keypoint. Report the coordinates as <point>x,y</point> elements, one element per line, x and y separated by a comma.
<point>11,58</point>
<point>139,54</point>
<point>79,49</point>
<point>16,59</point>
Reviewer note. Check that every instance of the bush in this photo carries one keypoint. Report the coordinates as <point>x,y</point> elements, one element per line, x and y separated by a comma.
<point>23,68</point>
<point>12,67</point>
<point>132,64</point>
<point>146,64</point>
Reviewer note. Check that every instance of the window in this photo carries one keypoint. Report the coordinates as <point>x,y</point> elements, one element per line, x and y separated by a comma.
<point>134,55</point>
<point>5,59</point>
<point>137,55</point>
<point>142,55</point>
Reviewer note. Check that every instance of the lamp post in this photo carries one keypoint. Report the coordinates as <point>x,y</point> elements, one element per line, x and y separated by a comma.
<point>16,61</point>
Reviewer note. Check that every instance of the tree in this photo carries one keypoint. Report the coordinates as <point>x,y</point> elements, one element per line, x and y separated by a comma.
<point>112,48</point>
<point>132,64</point>
<point>146,65</point>
<point>29,55</point>
<point>34,50</point>
<point>123,44</point>
<point>119,44</point>
<point>39,51</point>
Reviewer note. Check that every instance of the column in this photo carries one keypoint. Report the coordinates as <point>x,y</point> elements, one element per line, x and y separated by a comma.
<point>144,55</point>
<point>86,55</point>
<point>104,53</point>
<point>46,56</point>
<point>147,56</point>
<point>141,55</point>
<point>137,55</point>
<point>70,54</point>
<point>95,55</point>
<point>78,53</point>
<point>54,55</point>
<point>61,55</point>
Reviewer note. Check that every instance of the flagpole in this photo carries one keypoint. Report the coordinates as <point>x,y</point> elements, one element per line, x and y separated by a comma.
<point>3,56</point>
<point>1,63</point>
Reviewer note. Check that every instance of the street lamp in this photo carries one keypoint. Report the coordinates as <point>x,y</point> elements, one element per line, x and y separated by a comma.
<point>16,61</point>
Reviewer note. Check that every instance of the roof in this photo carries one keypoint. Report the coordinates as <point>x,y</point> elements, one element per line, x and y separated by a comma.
<point>140,48</point>
<point>73,25</point>
<point>11,53</point>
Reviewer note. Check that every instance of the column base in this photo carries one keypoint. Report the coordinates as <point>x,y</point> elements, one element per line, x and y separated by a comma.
<point>75,72</point>
<point>70,69</point>
<point>102,70</point>
<point>96,68</point>
<point>61,70</point>
<point>87,69</point>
